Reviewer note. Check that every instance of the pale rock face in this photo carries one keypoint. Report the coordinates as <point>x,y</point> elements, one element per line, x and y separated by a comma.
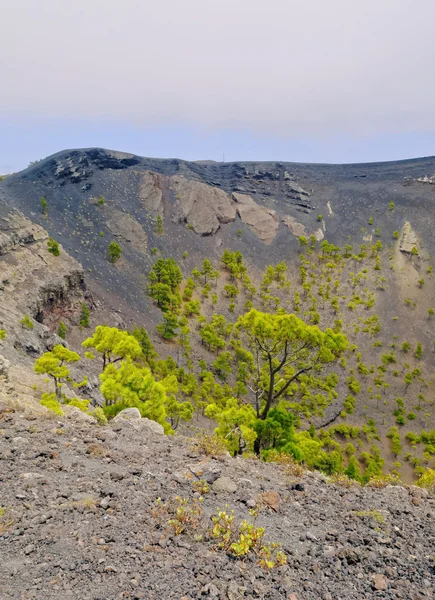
<point>297,229</point>
<point>203,207</point>
<point>150,192</point>
<point>408,241</point>
<point>262,221</point>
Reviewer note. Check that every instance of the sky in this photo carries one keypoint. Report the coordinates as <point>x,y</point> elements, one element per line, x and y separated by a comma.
<point>313,81</point>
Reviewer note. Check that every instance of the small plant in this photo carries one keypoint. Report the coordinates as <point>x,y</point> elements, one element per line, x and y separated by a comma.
<point>26,322</point>
<point>62,330</point>
<point>101,201</point>
<point>85,315</point>
<point>374,515</point>
<point>185,254</point>
<point>377,231</point>
<point>43,205</point>
<point>98,413</point>
<point>391,205</point>
<point>201,486</point>
<point>421,282</point>
<point>101,233</point>
<point>320,217</point>
<point>154,251</point>
<point>158,229</point>
<point>239,233</point>
<point>53,246</point>
<point>209,444</point>
<point>114,251</point>
<point>2,334</point>
<point>370,220</point>
<point>396,234</point>
<point>427,480</point>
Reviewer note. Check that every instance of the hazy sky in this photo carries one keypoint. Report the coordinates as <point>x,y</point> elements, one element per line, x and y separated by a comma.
<point>319,80</point>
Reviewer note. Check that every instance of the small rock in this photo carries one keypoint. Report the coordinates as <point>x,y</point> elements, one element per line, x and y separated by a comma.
<point>271,499</point>
<point>29,549</point>
<point>116,475</point>
<point>380,582</point>
<point>224,484</point>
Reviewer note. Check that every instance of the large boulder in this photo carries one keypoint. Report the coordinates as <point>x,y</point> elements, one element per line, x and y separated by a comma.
<point>127,413</point>
<point>130,417</point>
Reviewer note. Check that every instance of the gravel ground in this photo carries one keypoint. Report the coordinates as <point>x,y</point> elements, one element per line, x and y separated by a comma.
<point>80,521</point>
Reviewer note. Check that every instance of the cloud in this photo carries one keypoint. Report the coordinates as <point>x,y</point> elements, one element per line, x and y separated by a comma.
<point>284,67</point>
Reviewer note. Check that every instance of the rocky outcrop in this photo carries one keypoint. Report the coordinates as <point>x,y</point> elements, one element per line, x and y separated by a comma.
<point>125,227</point>
<point>150,192</point>
<point>201,206</point>
<point>262,221</point>
<point>426,179</point>
<point>297,229</point>
<point>16,230</point>
<point>408,240</point>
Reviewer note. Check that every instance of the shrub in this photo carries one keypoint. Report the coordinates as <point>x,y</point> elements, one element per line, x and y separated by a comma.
<point>62,330</point>
<point>50,402</point>
<point>98,413</point>
<point>2,334</point>
<point>26,322</point>
<point>44,205</point>
<point>320,217</point>
<point>114,251</point>
<point>53,247</point>
<point>101,200</point>
<point>85,314</point>
<point>427,480</point>
<point>209,444</point>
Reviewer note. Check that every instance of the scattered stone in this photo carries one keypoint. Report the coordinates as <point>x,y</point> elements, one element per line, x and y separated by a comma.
<point>224,484</point>
<point>380,582</point>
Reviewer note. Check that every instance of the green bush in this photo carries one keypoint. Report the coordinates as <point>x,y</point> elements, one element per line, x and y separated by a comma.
<point>50,402</point>
<point>26,322</point>
<point>62,330</point>
<point>114,252</point>
<point>53,247</point>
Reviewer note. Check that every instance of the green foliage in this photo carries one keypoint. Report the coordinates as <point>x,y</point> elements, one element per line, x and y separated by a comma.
<point>158,228</point>
<point>54,365</point>
<point>178,411</point>
<point>168,329</point>
<point>231,291</point>
<point>2,334</point>
<point>145,343</point>
<point>391,205</point>
<point>85,315</point>
<point>396,446</point>
<point>165,278</point>
<point>26,322</point>
<point>114,252</point>
<point>320,217</point>
<point>396,234</point>
<point>101,201</point>
<point>53,405</point>
<point>53,247</point>
<point>132,386</point>
<point>43,205</point>
<point>370,220</point>
<point>427,480</point>
<point>62,330</point>
<point>113,344</point>
<point>98,414</point>
<point>418,352</point>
